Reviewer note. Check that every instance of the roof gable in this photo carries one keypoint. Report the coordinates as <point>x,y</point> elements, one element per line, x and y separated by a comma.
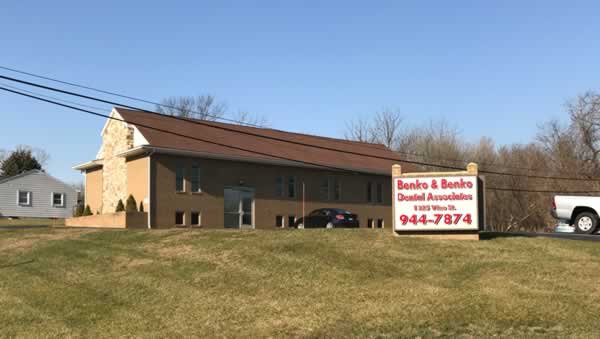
<point>242,141</point>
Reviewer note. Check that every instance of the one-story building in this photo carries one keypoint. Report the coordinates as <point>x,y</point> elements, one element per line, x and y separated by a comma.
<point>198,173</point>
<point>36,194</point>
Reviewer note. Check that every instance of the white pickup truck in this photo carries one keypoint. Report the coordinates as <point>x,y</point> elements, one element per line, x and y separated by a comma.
<point>581,212</point>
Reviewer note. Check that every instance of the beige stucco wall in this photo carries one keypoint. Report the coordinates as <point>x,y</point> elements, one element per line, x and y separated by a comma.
<point>117,138</point>
<point>110,220</point>
<point>216,174</point>
<point>93,189</point>
<point>137,180</point>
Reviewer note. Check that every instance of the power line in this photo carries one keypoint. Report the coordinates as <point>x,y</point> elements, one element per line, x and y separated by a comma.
<point>421,155</point>
<point>51,97</point>
<point>203,123</point>
<point>244,149</point>
<point>126,96</point>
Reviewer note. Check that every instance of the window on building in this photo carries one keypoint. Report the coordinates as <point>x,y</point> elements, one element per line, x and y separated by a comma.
<point>195,179</point>
<point>24,198</point>
<point>58,200</point>
<point>324,189</point>
<point>370,223</point>
<point>380,193</point>
<point>196,219</point>
<point>291,220</point>
<point>179,178</point>
<point>279,186</point>
<point>179,218</point>
<point>291,187</point>
<point>380,223</point>
<point>369,191</point>
<point>279,221</point>
<point>337,189</point>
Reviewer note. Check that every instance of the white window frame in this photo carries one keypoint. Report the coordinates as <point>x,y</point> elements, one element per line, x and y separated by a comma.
<point>62,200</point>
<point>191,217</point>
<point>199,176</point>
<point>28,204</point>
<point>182,218</point>
<point>182,167</point>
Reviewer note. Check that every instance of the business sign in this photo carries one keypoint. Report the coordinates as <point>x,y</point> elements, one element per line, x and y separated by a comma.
<point>436,203</point>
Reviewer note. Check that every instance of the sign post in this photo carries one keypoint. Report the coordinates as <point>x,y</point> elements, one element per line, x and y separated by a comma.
<point>438,204</point>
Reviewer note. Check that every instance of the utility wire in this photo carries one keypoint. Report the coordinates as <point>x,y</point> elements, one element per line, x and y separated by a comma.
<point>51,97</point>
<point>203,123</point>
<point>125,96</point>
<point>245,149</point>
<point>421,155</point>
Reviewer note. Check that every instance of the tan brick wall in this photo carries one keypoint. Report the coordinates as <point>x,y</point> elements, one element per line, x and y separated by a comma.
<point>93,189</point>
<point>117,138</point>
<point>110,220</point>
<point>216,174</point>
<point>137,180</point>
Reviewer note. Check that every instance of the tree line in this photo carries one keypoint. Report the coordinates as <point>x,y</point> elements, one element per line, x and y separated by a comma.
<point>570,149</point>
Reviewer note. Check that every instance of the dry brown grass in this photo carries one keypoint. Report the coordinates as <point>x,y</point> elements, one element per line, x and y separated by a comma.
<point>312,283</point>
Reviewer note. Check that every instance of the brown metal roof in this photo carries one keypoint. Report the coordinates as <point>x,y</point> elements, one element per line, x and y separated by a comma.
<point>237,136</point>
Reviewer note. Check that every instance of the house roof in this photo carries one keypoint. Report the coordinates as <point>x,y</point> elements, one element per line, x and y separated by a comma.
<point>246,140</point>
<point>34,171</point>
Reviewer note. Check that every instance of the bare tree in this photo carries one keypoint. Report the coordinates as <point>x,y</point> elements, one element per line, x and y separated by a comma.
<point>202,107</point>
<point>584,112</point>
<point>247,118</point>
<point>386,128</point>
<point>359,130</point>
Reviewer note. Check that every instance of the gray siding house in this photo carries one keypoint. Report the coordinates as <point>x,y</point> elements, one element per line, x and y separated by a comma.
<point>36,194</point>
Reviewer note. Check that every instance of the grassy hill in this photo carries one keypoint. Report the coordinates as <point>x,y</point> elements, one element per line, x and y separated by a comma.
<point>310,283</point>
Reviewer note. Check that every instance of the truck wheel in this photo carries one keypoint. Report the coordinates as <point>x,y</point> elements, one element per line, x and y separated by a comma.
<point>586,223</point>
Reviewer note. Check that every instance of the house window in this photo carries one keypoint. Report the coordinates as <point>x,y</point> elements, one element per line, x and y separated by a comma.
<point>279,221</point>
<point>337,189</point>
<point>380,223</point>
<point>24,198</point>
<point>369,191</point>
<point>196,219</point>
<point>291,187</point>
<point>179,180</point>
<point>370,223</point>
<point>179,218</point>
<point>58,200</point>
<point>324,191</point>
<point>279,187</point>
<point>380,193</point>
<point>195,179</point>
<point>291,221</point>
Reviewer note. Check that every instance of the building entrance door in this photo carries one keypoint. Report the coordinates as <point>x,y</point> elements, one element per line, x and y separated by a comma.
<point>239,207</point>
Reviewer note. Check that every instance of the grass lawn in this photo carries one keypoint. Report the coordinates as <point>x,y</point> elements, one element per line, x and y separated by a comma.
<point>303,283</point>
<point>31,222</point>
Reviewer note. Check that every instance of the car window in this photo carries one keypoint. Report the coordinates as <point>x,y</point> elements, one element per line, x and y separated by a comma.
<point>315,212</point>
<point>326,212</point>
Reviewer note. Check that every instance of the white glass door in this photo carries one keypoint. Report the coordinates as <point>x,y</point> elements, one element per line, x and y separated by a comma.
<point>239,208</point>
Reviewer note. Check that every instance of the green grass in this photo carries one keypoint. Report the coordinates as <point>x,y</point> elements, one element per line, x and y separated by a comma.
<point>31,222</point>
<point>310,283</point>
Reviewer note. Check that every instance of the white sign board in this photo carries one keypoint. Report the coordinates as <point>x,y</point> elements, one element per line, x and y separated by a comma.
<point>444,203</point>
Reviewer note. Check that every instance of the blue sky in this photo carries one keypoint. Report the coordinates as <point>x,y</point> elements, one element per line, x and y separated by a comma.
<point>491,68</point>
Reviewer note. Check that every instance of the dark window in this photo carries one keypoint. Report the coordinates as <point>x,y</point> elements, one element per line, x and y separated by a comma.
<point>179,218</point>
<point>337,189</point>
<point>24,198</point>
<point>369,192</point>
<point>324,191</point>
<point>279,221</point>
<point>279,187</point>
<point>379,223</point>
<point>195,218</point>
<point>179,181</point>
<point>291,187</point>
<point>379,193</point>
<point>291,221</point>
<point>370,223</point>
<point>195,179</point>
<point>58,200</point>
